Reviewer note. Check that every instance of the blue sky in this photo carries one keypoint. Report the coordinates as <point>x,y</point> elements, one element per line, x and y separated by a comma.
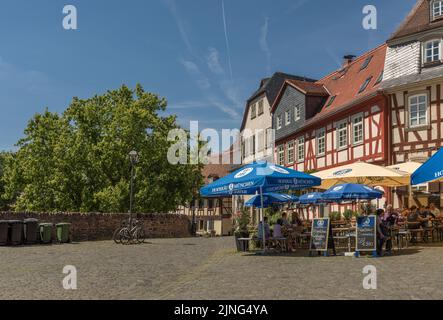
<point>205,56</point>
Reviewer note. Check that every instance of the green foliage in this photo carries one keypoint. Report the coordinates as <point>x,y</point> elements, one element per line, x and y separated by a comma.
<point>3,159</point>
<point>242,221</point>
<point>78,161</point>
<point>335,216</point>
<point>349,214</point>
<point>368,208</point>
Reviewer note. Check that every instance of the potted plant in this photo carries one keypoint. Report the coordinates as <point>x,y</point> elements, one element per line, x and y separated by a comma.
<point>335,216</point>
<point>348,214</point>
<point>242,220</point>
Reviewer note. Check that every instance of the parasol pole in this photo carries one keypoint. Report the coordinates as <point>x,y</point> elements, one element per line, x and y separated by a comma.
<point>262,219</point>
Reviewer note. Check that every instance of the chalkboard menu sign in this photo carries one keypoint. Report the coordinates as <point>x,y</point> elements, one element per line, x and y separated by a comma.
<point>320,234</point>
<point>366,233</point>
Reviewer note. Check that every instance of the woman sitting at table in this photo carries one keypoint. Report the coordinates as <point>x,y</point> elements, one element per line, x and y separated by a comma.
<point>277,232</point>
<point>405,212</point>
<point>435,211</point>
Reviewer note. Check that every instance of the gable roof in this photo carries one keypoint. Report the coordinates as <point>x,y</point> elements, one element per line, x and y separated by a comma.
<point>418,20</point>
<point>307,88</point>
<point>343,86</point>
<point>271,87</point>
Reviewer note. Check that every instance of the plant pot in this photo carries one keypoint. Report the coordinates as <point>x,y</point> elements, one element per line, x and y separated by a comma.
<point>242,246</point>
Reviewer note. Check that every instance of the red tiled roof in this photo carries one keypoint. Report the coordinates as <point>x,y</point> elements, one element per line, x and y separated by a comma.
<point>418,20</point>
<point>344,85</point>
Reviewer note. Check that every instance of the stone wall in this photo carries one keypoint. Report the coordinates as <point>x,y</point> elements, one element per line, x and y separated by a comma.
<point>101,226</point>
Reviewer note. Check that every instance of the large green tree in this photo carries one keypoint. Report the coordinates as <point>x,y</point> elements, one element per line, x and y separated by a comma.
<point>3,202</point>
<point>78,161</point>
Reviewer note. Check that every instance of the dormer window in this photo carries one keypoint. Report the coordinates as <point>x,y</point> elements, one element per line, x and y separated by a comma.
<point>279,122</point>
<point>253,111</point>
<point>297,113</point>
<point>365,85</point>
<point>437,9</point>
<point>432,51</point>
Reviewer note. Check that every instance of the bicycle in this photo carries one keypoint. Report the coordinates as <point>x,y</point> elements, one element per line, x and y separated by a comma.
<point>128,235</point>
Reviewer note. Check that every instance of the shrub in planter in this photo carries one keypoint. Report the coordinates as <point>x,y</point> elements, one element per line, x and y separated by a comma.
<point>242,227</point>
<point>348,214</point>
<point>335,216</point>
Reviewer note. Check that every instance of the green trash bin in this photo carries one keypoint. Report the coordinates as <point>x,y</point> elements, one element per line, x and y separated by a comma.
<point>63,232</point>
<point>45,232</point>
<point>16,234</point>
<point>31,231</point>
<point>4,226</point>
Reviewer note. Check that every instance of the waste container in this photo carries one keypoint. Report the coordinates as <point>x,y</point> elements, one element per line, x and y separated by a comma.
<point>45,230</point>
<point>31,231</point>
<point>15,232</point>
<point>63,232</point>
<point>4,232</point>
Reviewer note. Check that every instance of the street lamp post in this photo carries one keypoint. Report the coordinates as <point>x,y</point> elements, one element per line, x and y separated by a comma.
<point>133,157</point>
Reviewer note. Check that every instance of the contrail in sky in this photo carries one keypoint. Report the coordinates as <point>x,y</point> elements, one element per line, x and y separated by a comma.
<point>227,38</point>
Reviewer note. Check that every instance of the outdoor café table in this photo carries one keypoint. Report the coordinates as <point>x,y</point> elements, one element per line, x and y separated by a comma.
<point>279,243</point>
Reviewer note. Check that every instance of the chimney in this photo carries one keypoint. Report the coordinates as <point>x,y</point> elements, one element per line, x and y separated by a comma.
<point>348,59</point>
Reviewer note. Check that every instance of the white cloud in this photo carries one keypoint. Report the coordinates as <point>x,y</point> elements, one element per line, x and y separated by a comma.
<point>213,61</point>
<point>181,24</point>
<point>264,44</point>
<point>225,27</point>
<point>194,71</point>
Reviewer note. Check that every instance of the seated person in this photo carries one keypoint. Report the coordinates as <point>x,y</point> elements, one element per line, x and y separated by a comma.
<point>285,221</point>
<point>414,215</point>
<point>267,230</point>
<point>278,229</point>
<point>405,212</point>
<point>296,221</point>
<point>435,211</point>
<point>414,221</point>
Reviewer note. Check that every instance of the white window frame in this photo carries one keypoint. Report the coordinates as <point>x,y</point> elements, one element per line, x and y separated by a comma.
<point>253,111</point>
<point>321,142</point>
<point>437,6</point>
<point>287,117</point>
<point>301,149</point>
<point>281,155</point>
<point>291,152</point>
<point>339,130</point>
<point>279,122</point>
<point>356,125</point>
<point>297,112</point>
<point>425,51</point>
<point>418,117</point>
<point>261,108</point>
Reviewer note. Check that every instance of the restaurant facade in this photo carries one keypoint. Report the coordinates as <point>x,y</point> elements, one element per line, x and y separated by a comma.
<point>413,83</point>
<point>383,107</point>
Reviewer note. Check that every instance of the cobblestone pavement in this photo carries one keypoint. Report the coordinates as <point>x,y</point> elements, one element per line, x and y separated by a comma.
<point>211,269</point>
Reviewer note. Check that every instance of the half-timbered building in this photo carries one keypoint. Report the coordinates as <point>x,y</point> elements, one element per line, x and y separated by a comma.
<point>337,120</point>
<point>413,82</point>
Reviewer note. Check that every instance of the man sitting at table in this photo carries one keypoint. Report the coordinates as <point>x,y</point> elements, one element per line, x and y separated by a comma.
<point>260,230</point>
<point>414,221</point>
<point>285,221</point>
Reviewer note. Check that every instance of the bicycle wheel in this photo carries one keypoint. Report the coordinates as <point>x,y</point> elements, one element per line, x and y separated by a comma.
<point>125,236</point>
<point>116,236</point>
<point>140,236</point>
